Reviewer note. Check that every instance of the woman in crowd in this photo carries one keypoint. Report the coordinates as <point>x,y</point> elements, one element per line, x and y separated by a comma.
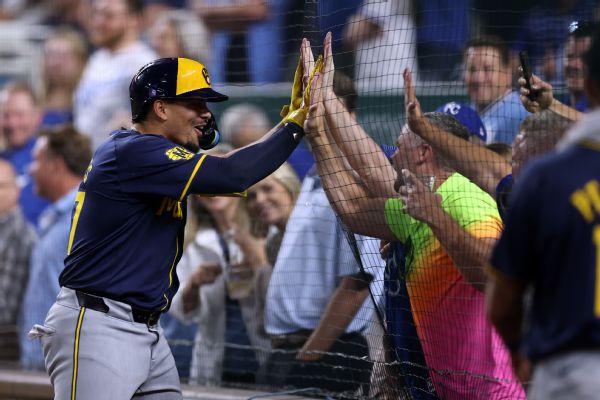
<point>216,276</point>
<point>270,203</point>
<point>180,33</point>
<point>65,56</point>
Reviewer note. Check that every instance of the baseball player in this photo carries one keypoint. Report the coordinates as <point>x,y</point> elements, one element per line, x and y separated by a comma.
<point>550,248</point>
<point>101,339</point>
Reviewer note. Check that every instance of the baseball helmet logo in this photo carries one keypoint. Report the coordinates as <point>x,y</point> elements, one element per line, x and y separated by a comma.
<point>205,75</point>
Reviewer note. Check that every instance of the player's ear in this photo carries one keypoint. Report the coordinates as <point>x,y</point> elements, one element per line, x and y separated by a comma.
<point>159,108</point>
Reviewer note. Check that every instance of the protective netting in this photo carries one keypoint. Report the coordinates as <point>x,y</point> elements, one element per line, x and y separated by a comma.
<point>347,278</point>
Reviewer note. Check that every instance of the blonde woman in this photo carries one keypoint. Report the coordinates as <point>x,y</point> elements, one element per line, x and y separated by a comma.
<point>216,274</point>
<point>270,203</point>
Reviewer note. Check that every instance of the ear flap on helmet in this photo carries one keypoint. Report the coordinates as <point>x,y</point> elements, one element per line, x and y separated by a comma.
<point>210,134</point>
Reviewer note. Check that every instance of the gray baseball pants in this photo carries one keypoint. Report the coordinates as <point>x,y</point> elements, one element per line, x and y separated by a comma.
<point>567,376</point>
<point>95,355</point>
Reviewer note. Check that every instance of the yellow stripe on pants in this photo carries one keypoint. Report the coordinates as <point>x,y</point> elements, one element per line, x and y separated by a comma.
<point>76,352</point>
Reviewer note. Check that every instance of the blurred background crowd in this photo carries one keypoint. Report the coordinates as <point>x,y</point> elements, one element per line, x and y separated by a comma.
<point>65,68</point>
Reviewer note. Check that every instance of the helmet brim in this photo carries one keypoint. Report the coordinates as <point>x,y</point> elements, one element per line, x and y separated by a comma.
<point>207,94</point>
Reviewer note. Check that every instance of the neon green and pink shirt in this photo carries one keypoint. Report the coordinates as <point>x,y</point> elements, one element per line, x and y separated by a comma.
<point>465,355</point>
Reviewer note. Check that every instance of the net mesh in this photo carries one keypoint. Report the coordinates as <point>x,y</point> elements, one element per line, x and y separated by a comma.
<point>333,281</point>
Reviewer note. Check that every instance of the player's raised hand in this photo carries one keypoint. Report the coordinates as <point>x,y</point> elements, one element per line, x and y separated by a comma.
<point>414,114</point>
<point>297,110</point>
<point>541,93</point>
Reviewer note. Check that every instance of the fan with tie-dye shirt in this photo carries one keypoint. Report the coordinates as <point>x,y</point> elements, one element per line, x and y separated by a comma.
<point>466,357</point>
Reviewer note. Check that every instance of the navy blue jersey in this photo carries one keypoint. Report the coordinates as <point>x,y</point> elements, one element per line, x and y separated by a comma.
<point>129,216</point>
<point>552,242</point>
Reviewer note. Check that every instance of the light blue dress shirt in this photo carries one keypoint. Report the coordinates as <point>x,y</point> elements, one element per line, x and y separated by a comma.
<point>503,117</point>
<point>313,258</point>
<point>47,262</point>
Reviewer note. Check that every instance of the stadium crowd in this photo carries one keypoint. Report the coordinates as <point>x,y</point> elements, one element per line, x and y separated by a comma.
<point>357,269</point>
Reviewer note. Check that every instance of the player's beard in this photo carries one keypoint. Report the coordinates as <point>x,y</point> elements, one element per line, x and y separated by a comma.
<point>190,142</point>
<point>193,147</point>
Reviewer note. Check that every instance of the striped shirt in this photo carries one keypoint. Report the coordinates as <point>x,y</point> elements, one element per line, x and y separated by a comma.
<point>16,240</point>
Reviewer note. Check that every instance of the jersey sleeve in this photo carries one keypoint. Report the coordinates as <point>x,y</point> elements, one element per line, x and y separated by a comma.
<point>512,255</point>
<point>153,165</point>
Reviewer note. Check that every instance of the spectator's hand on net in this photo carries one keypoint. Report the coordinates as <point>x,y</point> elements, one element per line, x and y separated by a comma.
<point>328,69</point>
<point>308,62</point>
<point>414,114</point>
<point>542,94</point>
<point>420,202</point>
<point>315,105</point>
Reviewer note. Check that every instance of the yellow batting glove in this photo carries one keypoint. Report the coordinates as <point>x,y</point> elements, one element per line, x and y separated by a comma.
<point>296,100</point>
<point>297,114</point>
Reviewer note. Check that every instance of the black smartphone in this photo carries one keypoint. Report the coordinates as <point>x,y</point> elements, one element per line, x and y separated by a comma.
<point>526,68</point>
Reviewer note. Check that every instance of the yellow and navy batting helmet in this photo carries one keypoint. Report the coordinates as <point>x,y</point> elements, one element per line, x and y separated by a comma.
<point>170,78</point>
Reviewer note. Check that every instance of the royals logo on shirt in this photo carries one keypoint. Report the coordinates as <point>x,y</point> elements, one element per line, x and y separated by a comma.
<point>179,153</point>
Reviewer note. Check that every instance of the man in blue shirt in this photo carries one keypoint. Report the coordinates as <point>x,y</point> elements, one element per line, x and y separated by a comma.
<point>21,117</point>
<point>488,80</point>
<point>60,159</point>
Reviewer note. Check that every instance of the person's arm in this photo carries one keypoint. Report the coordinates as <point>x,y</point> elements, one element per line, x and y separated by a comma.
<point>345,302</point>
<point>232,17</point>
<point>360,29</point>
<point>361,212</point>
<point>363,154</point>
<point>544,99</point>
<point>239,170</point>
<point>470,254</point>
<point>479,164</point>
<point>242,168</point>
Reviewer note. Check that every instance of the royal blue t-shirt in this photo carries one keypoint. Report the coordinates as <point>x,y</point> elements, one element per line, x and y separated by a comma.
<point>552,242</point>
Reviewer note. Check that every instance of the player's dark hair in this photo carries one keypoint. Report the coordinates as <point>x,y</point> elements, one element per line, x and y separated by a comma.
<point>75,148</point>
<point>592,57</point>
<point>343,87</point>
<point>449,124</point>
<point>494,42</point>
